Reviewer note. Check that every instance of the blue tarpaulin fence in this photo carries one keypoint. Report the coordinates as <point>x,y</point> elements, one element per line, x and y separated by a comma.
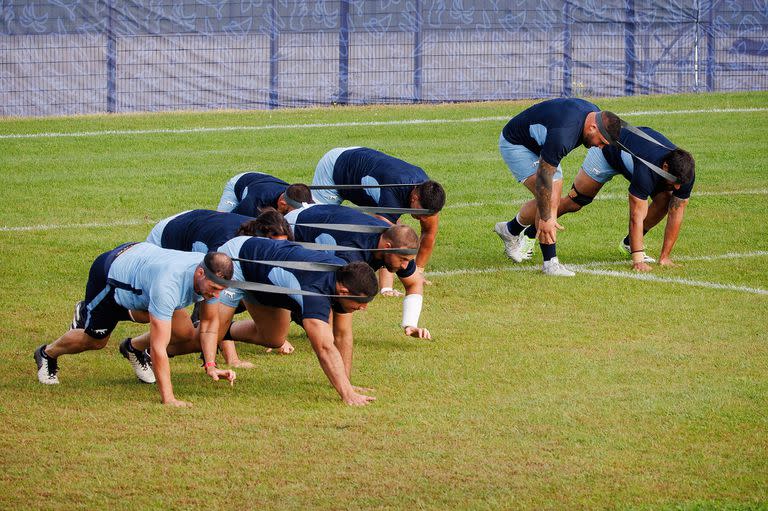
<point>75,56</point>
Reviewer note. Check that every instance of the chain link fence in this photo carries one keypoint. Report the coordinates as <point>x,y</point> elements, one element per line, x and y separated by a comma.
<point>75,56</point>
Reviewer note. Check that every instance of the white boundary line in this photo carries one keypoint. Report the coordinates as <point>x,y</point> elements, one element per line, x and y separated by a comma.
<point>587,268</point>
<point>511,202</point>
<point>343,124</point>
<point>605,196</point>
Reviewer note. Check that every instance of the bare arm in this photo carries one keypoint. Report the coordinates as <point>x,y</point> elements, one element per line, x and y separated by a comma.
<point>159,338</point>
<point>638,209</point>
<point>414,285</point>
<point>321,337</point>
<point>343,340</point>
<point>547,218</point>
<point>674,221</point>
<point>209,337</point>
<point>429,226</point>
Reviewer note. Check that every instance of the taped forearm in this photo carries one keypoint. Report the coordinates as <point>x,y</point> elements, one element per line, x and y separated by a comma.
<point>412,305</point>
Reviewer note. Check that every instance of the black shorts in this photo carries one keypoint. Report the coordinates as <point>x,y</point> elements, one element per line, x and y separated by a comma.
<point>101,312</point>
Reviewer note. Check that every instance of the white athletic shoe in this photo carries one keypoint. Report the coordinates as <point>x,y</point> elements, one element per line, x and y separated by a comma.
<point>514,246</point>
<point>554,268</point>
<point>625,249</point>
<point>47,368</point>
<point>140,361</point>
<point>528,245</point>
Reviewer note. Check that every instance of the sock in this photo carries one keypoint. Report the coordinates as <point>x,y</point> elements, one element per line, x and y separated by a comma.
<point>44,354</point>
<point>530,231</point>
<point>626,239</point>
<point>515,227</point>
<point>548,251</point>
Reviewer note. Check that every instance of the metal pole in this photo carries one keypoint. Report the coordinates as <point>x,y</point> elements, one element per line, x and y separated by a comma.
<point>417,53</point>
<point>629,50</point>
<point>273,56</point>
<point>111,61</point>
<point>344,52</point>
<point>710,47</point>
<point>567,51</point>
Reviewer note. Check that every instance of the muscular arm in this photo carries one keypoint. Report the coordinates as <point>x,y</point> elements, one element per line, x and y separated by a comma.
<point>159,338</point>
<point>638,209</point>
<point>321,337</point>
<point>674,221</point>
<point>429,226</point>
<point>414,285</point>
<point>209,330</point>
<point>547,218</point>
<point>343,340</point>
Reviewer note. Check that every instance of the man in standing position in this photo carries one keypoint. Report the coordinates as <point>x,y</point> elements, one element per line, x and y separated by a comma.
<point>532,144</point>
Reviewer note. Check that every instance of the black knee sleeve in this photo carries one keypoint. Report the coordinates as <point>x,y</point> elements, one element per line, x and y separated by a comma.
<point>578,197</point>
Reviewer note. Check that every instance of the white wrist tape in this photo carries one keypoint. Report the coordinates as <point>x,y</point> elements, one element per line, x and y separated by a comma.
<point>412,310</point>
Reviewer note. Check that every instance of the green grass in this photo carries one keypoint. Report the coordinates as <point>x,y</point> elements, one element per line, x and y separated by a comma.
<point>595,392</point>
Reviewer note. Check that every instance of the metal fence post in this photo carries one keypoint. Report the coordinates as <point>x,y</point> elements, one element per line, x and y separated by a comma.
<point>344,52</point>
<point>629,49</point>
<point>274,50</point>
<point>710,48</point>
<point>567,51</point>
<point>111,60</point>
<point>417,53</point>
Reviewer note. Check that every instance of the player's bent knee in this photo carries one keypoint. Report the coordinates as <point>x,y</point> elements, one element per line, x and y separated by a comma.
<point>578,198</point>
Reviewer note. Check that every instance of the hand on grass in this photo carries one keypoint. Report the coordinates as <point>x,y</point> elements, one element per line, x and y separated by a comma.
<point>666,261</point>
<point>177,403</point>
<point>286,349</point>
<point>217,374</point>
<point>358,399</point>
<point>418,333</point>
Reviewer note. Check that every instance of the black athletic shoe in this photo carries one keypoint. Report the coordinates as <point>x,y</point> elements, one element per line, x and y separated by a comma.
<point>47,368</point>
<point>140,361</point>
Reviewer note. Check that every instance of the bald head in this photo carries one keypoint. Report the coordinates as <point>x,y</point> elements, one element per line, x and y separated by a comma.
<point>401,236</point>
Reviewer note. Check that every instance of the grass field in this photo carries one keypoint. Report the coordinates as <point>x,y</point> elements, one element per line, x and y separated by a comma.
<point>598,392</point>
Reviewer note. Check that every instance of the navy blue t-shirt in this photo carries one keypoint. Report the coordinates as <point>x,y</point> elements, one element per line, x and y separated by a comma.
<point>551,129</point>
<point>301,307</point>
<point>332,214</point>
<point>200,228</point>
<point>255,191</point>
<point>368,166</point>
<point>643,182</point>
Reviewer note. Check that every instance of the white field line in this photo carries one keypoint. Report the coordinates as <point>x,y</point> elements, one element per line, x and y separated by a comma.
<point>605,196</point>
<point>587,268</point>
<point>513,202</point>
<point>342,124</point>
<point>53,227</point>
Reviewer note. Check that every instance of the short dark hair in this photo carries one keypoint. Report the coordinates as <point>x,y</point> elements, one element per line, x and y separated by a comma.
<point>431,195</point>
<point>269,223</point>
<point>681,165</point>
<point>359,279</point>
<point>401,236</point>
<point>220,264</point>
<point>612,124</point>
<point>299,192</point>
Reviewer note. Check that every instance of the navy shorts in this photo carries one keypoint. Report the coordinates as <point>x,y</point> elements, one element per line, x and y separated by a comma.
<point>101,312</point>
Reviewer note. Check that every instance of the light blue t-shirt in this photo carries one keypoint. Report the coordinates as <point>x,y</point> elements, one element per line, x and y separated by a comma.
<point>149,278</point>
